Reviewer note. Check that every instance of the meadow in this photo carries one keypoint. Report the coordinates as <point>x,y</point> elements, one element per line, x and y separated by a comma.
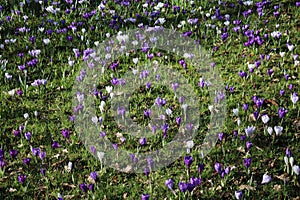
<point>65,135</point>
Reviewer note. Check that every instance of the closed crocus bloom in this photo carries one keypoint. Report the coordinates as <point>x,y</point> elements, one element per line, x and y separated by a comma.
<point>83,187</point>
<point>296,169</point>
<point>270,130</point>
<point>265,119</point>
<point>145,196</point>
<point>291,161</point>
<point>169,183</point>
<point>266,179</point>
<point>218,167</point>
<point>188,161</point>
<point>278,130</point>
<point>238,194</point>
<point>22,178</point>
<point>142,141</point>
<point>286,160</point>
<point>249,130</point>
<point>182,186</point>
<point>294,98</point>
<point>247,162</point>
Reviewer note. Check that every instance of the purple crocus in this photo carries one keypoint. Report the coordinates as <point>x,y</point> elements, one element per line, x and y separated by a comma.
<point>91,187</point>
<point>13,153</point>
<point>43,171</point>
<point>142,141</point>
<point>247,162</point>
<point>94,175</point>
<point>145,196</point>
<point>83,187</point>
<point>169,183</point>
<point>27,136</point>
<point>55,145</point>
<point>66,133</point>
<point>221,136</point>
<point>26,161</point>
<point>282,112</point>
<point>147,113</point>
<point>182,186</point>
<point>22,178</point>
<point>188,160</point>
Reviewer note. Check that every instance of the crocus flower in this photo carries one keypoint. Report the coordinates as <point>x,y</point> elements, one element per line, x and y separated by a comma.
<point>146,171</point>
<point>182,186</point>
<point>13,153</point>
<point>145,196</point>
<point>248,145</point>
<point>83,187</point>
<point>195,181</point>
<point>142,141</point>
<point>247,162</point>
<point>296,169</point>
<point>169,183</point>
<point>249,130</point>
<point>94,175</point>
<point>55,145</point>
<point>294,98</point>
<point>188,160</point>
<point>43,171</point>
<point>265,118</point>
<point>266,179</point>
<point>221,136</point>
<point>147,113</point>
<point>22,178</point>
<point>238,194</point>
<point>66,133</point>
<point>26,161</point>
<point>218,167</point>
<point>27,136</point>
<point>282,112</point>
<point>278,130</point>
<point>288,152</point>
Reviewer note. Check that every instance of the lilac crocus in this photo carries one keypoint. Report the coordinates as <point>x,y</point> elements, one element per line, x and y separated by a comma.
<point>147,113</point>
<point>27,136</point>
<point>142,141</point>
<point>266,179</point>
<point>294,98</point>
<point>221,136</point>
<point>169,183</point>
<point>145,196</point>
<point>94,175</point>
<point>249,130</point>
<point>218,167</point>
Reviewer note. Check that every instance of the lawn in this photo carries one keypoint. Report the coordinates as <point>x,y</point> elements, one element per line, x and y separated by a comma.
<point>132,99</point>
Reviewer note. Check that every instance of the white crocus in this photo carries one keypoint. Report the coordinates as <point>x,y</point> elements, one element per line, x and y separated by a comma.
<point>278,130</point>
<point>266,179</point>
<point>265,119</point>
<point>270,130</point>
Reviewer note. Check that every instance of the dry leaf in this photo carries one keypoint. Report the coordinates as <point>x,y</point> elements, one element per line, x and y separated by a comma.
<point>69,185</point>
<point>248,187</point>
<point>277,187</point>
